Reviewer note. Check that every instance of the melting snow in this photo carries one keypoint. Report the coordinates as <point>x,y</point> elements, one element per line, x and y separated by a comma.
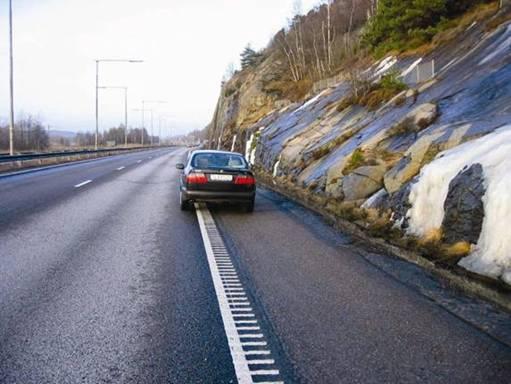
<point>492,254</point>
<point>276,167</point>
<point>385,65</point>
<point>311,101</point>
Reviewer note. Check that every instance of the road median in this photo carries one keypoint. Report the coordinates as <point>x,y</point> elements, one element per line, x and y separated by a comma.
<point>23,162</point>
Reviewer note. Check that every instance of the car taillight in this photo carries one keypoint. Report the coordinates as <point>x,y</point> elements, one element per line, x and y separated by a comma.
<point>196,178</point>
<point>244,180</point>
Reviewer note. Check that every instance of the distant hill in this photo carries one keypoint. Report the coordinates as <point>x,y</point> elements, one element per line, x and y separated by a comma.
<point>65,134</point>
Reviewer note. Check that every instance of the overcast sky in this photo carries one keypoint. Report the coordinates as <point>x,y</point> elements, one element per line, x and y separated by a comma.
<point>186,44</point>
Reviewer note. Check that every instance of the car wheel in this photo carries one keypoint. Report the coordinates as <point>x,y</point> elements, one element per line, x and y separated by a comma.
<point>184,204</point>
<point>249,207</point>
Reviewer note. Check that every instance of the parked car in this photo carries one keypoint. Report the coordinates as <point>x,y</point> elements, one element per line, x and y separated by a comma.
<point>216,177</point>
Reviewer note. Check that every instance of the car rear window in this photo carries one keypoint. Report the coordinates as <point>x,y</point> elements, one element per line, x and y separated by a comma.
<point>218,160</point>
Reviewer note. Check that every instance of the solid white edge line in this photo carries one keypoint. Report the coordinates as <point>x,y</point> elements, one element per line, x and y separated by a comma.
<point>83,183</point>
<point>237,354</point>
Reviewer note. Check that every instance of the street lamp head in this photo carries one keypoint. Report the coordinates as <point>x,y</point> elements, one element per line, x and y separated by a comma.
<point>120,60</point>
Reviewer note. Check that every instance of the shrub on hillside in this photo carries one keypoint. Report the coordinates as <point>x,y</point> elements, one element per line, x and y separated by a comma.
<point>404,24</point>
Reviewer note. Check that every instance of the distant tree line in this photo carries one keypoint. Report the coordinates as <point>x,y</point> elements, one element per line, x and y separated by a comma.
<point>115,135</point>
<point>29,135</point>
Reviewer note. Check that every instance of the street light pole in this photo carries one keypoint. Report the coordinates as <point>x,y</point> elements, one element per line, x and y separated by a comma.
<point>144,102</point>
<point>152,130</point>
<point>142,129</point>
<point>126,117</point>
<point>97,87</point>
<point>97,107</point>
<point>159,131</point>
<point>125,111</point>
<point>11,85</point>
<point>143,123</point>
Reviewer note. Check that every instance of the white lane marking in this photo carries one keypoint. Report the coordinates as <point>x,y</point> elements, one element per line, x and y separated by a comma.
<point>235,308</point>
<point>83,183</point>
<point>261,362</point>
<point>257,353</point>
<point>240,309</point>
<point>269,372</point>
<point>120,168</point>
<point>139,161</point>
<point>254,343</point>
<point>270,382</point>
<point>252,336</point>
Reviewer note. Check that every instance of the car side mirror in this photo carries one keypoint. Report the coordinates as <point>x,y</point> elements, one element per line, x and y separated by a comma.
<point>180,166</point>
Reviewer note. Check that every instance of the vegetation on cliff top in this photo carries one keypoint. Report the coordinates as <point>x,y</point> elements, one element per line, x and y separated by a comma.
<point>407,24</point>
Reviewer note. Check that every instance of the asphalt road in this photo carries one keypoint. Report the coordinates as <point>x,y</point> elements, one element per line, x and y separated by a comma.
<point>104,280</point>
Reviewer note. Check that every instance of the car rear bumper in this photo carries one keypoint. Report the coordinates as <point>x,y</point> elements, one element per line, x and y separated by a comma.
<point>217,196</point>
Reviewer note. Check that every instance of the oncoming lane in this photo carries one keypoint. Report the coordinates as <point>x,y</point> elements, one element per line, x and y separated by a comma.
<point>39,189</point>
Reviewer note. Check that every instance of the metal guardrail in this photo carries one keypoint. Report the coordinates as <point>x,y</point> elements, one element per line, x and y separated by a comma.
<point>4,158</point>
<point>421,72</point>
<point>321,85</point>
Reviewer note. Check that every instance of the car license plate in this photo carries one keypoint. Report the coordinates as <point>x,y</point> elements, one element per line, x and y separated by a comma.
<point>221,177</point>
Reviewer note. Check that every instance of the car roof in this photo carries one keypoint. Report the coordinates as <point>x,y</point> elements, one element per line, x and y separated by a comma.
<point>215,151</point>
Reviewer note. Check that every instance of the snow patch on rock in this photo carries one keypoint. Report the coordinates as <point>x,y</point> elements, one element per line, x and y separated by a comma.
<point>492,254</point>
<point>310,102</point>
<point>276,167</point>
<point>385,65</point>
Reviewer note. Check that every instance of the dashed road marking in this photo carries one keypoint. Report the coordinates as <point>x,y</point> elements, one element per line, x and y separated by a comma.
<point>139,161</point>
<point>83,183</point>
<point>120,168</point>
<point>244,336</point>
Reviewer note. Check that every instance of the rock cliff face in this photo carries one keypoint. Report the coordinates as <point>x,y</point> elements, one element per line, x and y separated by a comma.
<point>351,155</point>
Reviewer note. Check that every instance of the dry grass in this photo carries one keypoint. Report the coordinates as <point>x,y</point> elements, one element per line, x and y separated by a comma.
<point>383,228</point>
<point>377,97</point>
<point>497,21</point>
<point>331,145</point>
<point>451,29</point>
<point>458,250</point>
<point>433,236</point>
<point>291,90</point>
<point>346,102</point>
<point>356,160</point>
<point>387,88</point>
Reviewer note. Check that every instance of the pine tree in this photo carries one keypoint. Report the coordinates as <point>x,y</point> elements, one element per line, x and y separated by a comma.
<point>249,57</point>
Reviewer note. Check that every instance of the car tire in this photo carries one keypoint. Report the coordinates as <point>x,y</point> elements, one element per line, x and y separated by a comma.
<point>249,207</point>
<point>184,204</point>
